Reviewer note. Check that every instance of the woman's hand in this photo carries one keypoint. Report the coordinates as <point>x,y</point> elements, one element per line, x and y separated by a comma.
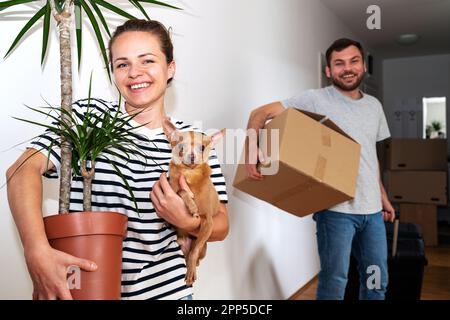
<point>48,270</point>
<point>170,207</point>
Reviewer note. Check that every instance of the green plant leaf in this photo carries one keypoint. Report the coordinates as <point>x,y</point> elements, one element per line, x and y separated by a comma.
<point>27,27</point>
<point>50,147</point>
<point>75,163</point>
<point>159,3</point>
<point>113,8</point>
<point>139,6</point>
<point>78,29</point>
<point>11,3</point>
<point>98,34</point>
<point>119,173</point>
<point>59,127</point>
<point>57,118</point>
<point>59,5</point>
<point>101,17</point>
<point>46,30</point>
<point>52,128</point>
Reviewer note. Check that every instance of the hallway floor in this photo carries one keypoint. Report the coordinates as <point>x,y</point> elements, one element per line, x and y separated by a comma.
<point>436,282</point>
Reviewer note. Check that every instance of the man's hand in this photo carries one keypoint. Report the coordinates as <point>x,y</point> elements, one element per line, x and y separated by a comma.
<point>48,270</point>
<point>388,210</point>
<point>256,122</point>
<point>253,155</point>
<point>169,205</point>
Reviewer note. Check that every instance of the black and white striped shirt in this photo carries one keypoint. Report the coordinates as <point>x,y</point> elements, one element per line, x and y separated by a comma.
<point>153,266</point>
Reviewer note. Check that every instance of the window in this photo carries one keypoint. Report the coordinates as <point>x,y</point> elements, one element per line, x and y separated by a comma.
<point>434,118</point>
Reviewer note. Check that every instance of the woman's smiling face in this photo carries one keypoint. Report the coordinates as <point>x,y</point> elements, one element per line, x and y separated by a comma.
<point>140,68</point>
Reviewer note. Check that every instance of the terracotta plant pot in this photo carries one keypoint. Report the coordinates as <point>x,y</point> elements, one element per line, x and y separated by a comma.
<point>96,236</point>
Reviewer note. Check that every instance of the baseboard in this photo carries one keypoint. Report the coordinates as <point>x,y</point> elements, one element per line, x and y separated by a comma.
<point>300,291</point>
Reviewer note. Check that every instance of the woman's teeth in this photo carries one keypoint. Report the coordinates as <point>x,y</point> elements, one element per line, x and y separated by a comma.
<point>139,86</point>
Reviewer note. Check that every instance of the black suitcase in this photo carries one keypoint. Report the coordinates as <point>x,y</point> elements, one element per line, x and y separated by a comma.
<point>406,262</point>
<point>405,231</point>
<point>406,270</point>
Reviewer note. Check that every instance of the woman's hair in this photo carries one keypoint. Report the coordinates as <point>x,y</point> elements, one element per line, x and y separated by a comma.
<point>152,26</point>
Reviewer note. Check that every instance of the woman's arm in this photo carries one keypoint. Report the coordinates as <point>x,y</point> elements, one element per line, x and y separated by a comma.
<point>220,225</point>
<point>171,208</point>
<point>47,266</point>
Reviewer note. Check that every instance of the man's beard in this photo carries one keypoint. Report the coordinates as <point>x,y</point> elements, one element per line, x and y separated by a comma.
<point>341,85</point>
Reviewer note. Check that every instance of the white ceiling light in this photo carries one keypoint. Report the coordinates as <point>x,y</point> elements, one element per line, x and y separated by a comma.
<point>407,39</point>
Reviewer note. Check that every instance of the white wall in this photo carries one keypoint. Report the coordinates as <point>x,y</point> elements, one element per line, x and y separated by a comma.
<point>232,56</point>
<point>405,82</point>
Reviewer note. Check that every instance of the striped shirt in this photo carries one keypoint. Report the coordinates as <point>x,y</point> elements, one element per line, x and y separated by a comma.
<point>153,265</point>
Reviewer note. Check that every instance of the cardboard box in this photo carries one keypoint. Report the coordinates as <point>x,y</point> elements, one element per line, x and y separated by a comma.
<point>423,215</point>
<point>416,154</point>
<point>428,187</point>
<point>317,165</point>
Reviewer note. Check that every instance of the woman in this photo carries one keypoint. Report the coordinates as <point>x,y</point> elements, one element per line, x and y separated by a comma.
<point>141,56</point>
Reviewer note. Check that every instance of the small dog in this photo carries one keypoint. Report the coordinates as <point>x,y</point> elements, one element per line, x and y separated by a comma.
<point>190,153</point>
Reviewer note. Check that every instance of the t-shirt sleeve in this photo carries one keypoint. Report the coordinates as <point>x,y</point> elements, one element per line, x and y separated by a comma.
<point>303,101</point>
<point>49,145</point>
<point>217,177</point>
<point>383,129</point>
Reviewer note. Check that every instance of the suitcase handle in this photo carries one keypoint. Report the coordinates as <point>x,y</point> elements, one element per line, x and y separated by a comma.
<point>395,238</point>
<point>395,235</point>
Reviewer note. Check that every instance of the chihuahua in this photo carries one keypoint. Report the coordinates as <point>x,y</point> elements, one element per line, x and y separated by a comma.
<point>190,153</point>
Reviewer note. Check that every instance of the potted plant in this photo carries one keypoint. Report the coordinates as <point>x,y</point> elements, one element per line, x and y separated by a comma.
<point>428,131</point>
<point>436,127</point>
<point>76,139</point>
<point>96,236</point>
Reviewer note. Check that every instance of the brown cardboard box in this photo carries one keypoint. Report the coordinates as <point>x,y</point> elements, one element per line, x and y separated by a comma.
<point>425,216</point>
<point>417,186</point>
<point>318,165</point>
<point>416,154</point>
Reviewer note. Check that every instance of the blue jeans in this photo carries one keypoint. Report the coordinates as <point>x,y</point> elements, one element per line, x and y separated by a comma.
<point>338,236</point>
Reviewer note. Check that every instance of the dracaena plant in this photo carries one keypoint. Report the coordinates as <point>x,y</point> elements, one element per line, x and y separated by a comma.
<point>96,135</point>
<point>64,12</point>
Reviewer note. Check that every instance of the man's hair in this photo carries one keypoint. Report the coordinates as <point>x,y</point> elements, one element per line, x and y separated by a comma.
<point>341,44</point>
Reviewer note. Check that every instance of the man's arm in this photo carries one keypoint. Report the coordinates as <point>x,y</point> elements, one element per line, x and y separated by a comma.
<point>256,121</point>
<point>388,210</point>
<point>259,116</point>
<point>47,266</point>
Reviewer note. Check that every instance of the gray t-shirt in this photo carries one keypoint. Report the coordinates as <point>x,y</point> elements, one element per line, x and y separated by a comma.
<point>365,122</point>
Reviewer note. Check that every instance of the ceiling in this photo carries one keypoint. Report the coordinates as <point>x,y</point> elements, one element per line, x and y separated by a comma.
<point>430,19</point>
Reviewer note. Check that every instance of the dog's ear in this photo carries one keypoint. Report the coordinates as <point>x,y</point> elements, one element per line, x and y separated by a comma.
<point>170,130</point>
<point>217,136</point>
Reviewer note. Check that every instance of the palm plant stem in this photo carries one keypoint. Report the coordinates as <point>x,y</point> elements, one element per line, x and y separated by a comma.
<point>64,20</point>
<point>88,175</point>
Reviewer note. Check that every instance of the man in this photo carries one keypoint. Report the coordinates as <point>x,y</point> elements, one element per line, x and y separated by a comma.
<point>354,226</point>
